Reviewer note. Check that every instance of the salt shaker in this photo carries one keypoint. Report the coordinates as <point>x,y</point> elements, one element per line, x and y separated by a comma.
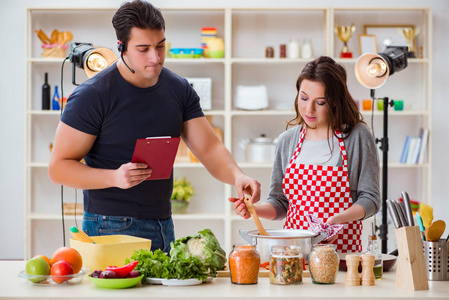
<point>367,269</point>
<point>352,264</point>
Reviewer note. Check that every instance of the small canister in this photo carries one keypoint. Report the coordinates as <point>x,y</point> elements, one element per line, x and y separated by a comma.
<point>283,51</point>
<point>244,264</point>
<point>286,265</point>
<point>269,52</point>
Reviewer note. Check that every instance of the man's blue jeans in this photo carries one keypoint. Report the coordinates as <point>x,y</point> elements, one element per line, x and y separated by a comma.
<point>160,232</point>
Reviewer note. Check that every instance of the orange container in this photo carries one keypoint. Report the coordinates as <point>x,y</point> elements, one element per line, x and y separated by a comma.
<point>367,104</point>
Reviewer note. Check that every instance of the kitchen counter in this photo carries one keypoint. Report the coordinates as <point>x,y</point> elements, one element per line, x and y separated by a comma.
<point>14,287</point>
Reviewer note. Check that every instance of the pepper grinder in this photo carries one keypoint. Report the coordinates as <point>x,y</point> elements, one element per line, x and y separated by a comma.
<point>367,269</point>
<point>352,275</point>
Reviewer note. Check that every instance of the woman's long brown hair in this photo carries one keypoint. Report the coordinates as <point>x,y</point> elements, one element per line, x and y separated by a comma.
<point>344,114</point>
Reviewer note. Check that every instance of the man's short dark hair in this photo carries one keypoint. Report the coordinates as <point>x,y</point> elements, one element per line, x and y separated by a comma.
<point>140,14</point>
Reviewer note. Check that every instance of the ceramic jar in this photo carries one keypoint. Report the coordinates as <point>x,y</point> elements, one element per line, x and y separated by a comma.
<point>306,50</point>
<point>293,50</point>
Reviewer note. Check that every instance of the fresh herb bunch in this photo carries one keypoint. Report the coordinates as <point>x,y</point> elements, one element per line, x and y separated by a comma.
<point>182,190</point>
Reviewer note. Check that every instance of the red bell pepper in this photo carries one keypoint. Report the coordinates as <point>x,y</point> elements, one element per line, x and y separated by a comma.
<point>265,265</point>
<point>122,272</point>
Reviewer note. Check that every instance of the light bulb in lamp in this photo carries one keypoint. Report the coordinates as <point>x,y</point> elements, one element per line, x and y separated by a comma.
<point>96,62</point>
<point>377,68</point>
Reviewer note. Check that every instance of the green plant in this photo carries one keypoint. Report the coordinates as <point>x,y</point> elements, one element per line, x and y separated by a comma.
<point>182,190</point>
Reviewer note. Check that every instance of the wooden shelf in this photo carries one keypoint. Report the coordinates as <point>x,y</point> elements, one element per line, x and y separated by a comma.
<point>244,63</point>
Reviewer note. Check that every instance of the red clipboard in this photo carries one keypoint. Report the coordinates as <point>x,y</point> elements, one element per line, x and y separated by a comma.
<point>158,153</point>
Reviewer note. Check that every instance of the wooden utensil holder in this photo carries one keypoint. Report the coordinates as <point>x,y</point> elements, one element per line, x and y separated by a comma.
<point>411,270</point>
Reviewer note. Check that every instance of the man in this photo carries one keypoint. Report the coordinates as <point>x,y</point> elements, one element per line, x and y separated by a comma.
<point>134,98</point>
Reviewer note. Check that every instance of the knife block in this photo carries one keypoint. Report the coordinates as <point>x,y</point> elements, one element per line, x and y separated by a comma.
<point>411,270</point>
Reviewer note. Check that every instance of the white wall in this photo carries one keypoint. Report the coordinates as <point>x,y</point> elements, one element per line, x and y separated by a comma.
<point>12,95</point>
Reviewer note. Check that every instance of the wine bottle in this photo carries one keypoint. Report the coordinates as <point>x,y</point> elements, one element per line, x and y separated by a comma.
<point>55,101</point>
<point>46,94</point>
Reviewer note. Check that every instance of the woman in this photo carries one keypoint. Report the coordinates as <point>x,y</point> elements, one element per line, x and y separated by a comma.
<point>327,164</point>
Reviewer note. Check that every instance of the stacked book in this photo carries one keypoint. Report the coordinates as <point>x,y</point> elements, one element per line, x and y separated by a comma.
<point>415,148</point>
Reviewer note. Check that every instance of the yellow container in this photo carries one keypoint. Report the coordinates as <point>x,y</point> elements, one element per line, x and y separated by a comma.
<point>108,250</point>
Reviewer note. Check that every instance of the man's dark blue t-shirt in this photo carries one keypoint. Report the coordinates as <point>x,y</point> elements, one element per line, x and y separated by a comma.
<point>118,114</point>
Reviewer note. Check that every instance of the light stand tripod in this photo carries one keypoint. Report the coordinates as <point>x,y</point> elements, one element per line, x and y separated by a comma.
<point>372,71</point>
<point>384,146</point>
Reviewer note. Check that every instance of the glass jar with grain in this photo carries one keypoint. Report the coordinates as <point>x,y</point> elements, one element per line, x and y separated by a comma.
<point>323,264</point>
<point>244,263</point>
<point>285,265</point>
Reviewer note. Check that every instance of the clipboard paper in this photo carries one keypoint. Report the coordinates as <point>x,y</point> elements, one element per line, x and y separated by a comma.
<point>158,153</point>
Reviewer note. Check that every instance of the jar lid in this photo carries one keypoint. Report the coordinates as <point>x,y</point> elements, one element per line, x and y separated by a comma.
<point>324,247</point>
<point>282,250</point>
<point>244,246</point>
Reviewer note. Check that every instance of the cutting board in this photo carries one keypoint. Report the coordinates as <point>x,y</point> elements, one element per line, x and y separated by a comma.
<point>262,273</point>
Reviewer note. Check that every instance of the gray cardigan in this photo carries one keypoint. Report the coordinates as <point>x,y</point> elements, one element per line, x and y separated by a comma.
<point>363,168</point>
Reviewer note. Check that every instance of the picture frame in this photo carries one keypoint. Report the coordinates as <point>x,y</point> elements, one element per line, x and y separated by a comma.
<point>367,43</point>
<point>387,33</point>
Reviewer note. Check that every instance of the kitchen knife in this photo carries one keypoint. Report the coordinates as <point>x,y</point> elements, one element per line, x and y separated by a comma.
<point>408,208</point>
<point>401,217</point>
<point>402,214</point>
<point>393,215</point>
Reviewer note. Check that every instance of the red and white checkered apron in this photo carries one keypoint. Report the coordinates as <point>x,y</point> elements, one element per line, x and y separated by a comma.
<point>322,191</point>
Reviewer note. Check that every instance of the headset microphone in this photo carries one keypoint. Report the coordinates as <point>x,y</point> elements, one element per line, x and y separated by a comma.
<point>132,71</point>
<point>120,49</point>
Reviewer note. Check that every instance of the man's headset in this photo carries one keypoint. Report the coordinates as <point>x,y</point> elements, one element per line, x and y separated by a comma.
<point>121,49</point>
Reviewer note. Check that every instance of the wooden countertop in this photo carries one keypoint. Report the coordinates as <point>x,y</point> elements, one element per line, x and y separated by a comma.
<point>14,287</point>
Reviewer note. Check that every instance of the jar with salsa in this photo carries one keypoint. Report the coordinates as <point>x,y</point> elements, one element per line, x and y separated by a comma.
<point>244,262</point>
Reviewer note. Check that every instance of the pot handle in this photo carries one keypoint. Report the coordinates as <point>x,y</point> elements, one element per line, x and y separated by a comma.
<point>320,237</point>
<point>250,239</point>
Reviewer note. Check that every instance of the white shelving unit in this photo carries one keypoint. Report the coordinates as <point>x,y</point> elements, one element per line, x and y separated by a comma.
<point>246,32</point>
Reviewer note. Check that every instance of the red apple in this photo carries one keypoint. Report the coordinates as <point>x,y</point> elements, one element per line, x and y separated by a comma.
<point>61,268</point>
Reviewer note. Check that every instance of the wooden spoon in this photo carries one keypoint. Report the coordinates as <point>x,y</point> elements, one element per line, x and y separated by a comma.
<point>252,211</point>
<point>435,231</point>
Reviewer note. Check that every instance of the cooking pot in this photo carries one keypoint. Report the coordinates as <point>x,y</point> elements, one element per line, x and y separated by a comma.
<point>259,150</point>
<point>284,237</point>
